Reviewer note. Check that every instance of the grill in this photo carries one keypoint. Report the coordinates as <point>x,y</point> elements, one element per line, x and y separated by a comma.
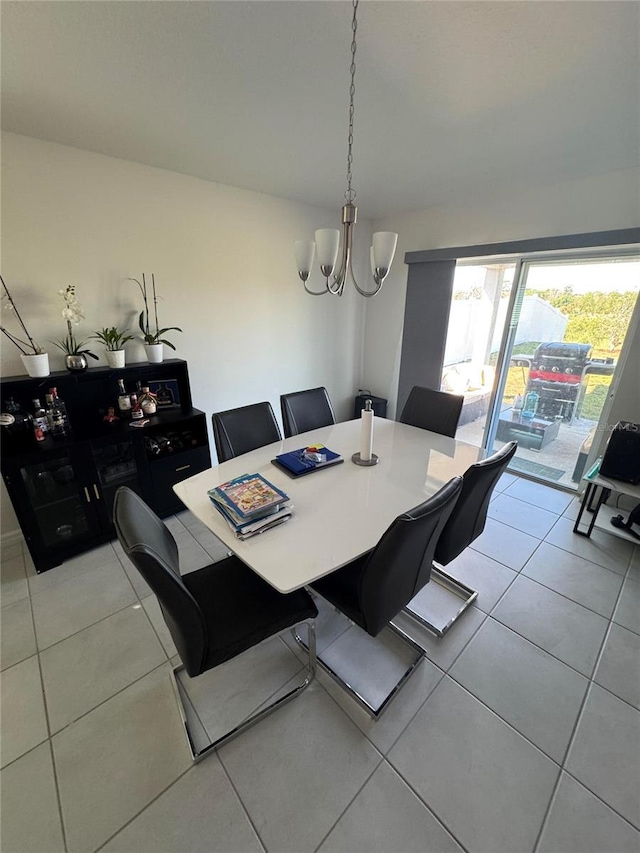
<point>557,375</point>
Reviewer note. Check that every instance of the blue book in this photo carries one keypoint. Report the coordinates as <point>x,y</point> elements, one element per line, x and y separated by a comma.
<point>296,463</point>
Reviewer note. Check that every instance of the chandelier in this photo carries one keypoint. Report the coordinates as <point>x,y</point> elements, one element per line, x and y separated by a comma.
<point>328,239</point>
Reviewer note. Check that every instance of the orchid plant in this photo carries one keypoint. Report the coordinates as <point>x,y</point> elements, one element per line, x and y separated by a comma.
<point>73,314</point>
<point>31,348</point>
<point>148,336</point>
<point>112,338</point>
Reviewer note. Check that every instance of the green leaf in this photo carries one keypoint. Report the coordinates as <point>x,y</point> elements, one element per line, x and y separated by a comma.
<point>169,329</point>
<point>168,343</point>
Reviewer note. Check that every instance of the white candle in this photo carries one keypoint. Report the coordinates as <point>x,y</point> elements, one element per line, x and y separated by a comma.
<point>366,433</point>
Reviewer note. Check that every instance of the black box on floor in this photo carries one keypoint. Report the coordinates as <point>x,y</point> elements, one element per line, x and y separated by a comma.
<point>378,404</point>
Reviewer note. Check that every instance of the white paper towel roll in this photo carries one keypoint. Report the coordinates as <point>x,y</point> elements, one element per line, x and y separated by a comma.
<point>366,434</point>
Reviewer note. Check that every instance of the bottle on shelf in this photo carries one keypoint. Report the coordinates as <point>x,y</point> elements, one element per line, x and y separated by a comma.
<point>136,409</point>
<point>147,401</point>
<point>57,416</point>
<point>164,396</point>
<point>55,419</point>
<point>22,426</point>
<point>124,400</point>
<point>594,470</point>
<point>40,422</point>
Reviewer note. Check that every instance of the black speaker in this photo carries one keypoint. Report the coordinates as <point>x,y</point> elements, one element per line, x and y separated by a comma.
<point>378,404</point>
<point>621,460</point>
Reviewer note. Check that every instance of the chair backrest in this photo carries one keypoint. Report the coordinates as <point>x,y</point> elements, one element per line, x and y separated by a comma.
<point>148,543</point>
<point>305,410</point>
<point>400,564</point>
<point>437,411</point>
<point>469,516</point>
<point>238,431</point>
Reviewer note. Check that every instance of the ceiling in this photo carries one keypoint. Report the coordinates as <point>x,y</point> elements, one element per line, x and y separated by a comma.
<point>453,99</point>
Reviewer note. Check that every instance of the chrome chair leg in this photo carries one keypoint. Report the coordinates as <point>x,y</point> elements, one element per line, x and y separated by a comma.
<point>463,592</point>
<point>198,754</point>
<point>372,710</point>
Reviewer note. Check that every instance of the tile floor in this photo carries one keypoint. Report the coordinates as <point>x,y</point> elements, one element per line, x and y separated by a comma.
<point>520,732</point>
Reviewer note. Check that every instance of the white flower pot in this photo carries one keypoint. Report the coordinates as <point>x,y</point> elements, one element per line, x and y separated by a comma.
<point>36,365</point>
<point>115,357</point>
<point>155,353</point>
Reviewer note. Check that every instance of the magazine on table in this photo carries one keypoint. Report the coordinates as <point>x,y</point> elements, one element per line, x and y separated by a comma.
<point>247,529</point>
<point>248,496</point>
<point>296,463</point>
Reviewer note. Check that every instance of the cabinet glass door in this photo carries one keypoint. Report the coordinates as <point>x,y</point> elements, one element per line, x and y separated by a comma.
<point>115,466</point>
<point>59,502</point>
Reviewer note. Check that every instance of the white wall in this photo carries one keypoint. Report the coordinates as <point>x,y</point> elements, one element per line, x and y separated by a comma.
<point>223,262</point>
<point>600,203</point>
<point>468,328</point>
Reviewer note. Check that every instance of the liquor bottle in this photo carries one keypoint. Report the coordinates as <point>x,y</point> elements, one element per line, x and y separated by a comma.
<point>147,401</point>
<point>20,432</point>
<point>136,409</point>
<point>164,396</point>
<point>124,400</point>
<point>59,425</point>
<point>40,422</point>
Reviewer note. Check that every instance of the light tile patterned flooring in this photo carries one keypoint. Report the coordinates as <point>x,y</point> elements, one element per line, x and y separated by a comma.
<point>521,732</point>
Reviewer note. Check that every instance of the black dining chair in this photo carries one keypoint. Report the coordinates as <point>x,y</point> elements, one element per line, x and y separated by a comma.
<point>238,431</point>
<point>466,523</point>
<point>373,589</point>
<point>306,410</point>
<point>213,614</point>
<point>436,411</point>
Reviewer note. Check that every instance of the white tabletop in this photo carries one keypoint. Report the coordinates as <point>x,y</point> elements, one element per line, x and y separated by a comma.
<point>340,512</point>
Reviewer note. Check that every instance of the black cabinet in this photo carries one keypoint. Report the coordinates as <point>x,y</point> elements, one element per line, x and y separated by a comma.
<point>63,490</point>
<point>52,499</point>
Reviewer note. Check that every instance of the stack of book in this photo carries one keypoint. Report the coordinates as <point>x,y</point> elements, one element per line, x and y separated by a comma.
<point>250,504</point>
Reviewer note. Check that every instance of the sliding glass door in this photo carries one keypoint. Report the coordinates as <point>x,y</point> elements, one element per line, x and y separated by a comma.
<point>553,331</point>
<point>479,311</point>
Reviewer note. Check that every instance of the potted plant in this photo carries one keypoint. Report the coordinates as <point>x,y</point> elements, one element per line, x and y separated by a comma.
<point>153,341</point>
<point>34,358</point>
<point>75,358</point>
<point>114,341</point>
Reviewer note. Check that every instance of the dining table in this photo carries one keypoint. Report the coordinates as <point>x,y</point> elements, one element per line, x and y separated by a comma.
<point>339,511</point>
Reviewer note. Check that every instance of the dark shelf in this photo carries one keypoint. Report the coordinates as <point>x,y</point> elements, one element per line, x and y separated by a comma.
<point>92,449</point>
<point>40,506</point>
<point>92,373</point>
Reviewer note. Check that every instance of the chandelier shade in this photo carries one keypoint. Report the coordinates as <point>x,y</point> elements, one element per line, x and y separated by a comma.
<point>384,248</point>
<point>327,240</point>
<point>305,251</point>
<point>328,243</point>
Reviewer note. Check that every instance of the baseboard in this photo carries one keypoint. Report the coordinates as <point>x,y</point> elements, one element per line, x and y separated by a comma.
<point>10,538</point>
